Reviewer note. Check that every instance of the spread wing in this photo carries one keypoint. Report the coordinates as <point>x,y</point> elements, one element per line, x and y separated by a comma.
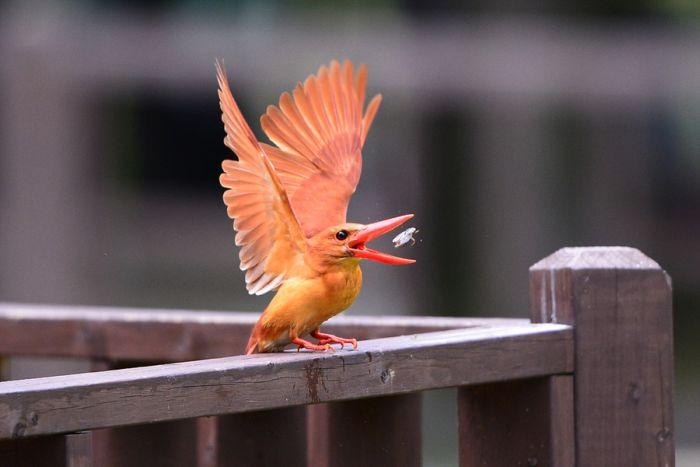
<point>319,129</point>
<point>268,234</point>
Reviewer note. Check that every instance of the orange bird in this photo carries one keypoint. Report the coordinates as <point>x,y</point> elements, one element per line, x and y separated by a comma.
<point>289,204</point>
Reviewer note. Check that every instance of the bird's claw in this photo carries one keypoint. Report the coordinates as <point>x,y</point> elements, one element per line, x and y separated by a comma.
<point>325,339</point>
<point>340,341</point>
<point>328,341</point>
<point>302,344</point>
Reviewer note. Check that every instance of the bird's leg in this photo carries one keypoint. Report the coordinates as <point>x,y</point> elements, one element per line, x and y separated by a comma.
<point>326,339</point>
<point>309,346</point>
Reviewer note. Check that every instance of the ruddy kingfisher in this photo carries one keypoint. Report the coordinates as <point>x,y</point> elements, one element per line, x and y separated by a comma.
<point>289,202</point>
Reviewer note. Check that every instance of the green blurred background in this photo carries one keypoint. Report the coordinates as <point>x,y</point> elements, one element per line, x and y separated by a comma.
<point>510,128</point>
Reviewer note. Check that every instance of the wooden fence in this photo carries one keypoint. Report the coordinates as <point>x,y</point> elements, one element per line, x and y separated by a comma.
<point>587,381</point>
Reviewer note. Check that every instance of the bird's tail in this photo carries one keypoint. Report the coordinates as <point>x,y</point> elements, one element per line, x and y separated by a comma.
<point>252,346</point>
<point>254,338</point>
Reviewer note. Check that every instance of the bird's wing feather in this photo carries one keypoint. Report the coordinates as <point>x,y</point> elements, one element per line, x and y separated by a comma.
<point>319,129</point>
<point>268,233</point>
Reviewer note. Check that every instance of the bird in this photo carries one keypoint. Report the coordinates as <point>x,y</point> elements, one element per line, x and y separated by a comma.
<point>288,202</point>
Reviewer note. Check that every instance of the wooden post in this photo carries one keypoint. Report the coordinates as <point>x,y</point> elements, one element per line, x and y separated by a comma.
<point>4,368</point>
<point>522,422</point>
<point>619,302</point>
<point>79,449</point>
<point>373,431</point>
<point>207,434</point>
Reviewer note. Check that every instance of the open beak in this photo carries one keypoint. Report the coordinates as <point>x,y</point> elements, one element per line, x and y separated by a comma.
<point>357,244</point>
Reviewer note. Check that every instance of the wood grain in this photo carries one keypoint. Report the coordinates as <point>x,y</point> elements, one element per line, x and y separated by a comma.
<point>238,384</point>
<point>207,444</point>
<point>176,335</point>
<point>562,427</point>
<point>619,302</point>
<point>79,449</point>
<point>525,422</point>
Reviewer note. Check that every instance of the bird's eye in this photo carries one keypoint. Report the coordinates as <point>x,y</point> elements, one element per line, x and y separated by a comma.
<point>341,235</point>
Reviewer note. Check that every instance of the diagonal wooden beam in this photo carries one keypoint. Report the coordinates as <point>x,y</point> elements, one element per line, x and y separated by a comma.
<point>220,386</point>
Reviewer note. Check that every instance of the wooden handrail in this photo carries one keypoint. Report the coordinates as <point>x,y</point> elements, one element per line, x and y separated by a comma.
<point>148,335</point>
<point>588,382</point>
<point>386,366</point>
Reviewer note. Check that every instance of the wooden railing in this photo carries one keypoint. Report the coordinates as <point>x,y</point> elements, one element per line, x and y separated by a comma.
<point>586,381</point>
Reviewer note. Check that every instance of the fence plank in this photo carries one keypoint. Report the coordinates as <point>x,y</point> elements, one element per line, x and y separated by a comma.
<point>207,445</point>
<point>79,449</point>
<point>268,437</point>
<point>619,302</point>
<point>176,335</point>
<point>239,384</point>
<point>43,451</point>
<point>4,368</point>
<point>373,431</point>
<point>525,422</point>
<point>167,444</point>
<point>562,447</point>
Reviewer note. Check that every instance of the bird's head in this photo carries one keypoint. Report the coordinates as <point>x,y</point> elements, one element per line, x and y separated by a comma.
<point>349,242</point>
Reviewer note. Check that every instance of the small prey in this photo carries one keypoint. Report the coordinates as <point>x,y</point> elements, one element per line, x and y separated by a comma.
<point>405,237</point>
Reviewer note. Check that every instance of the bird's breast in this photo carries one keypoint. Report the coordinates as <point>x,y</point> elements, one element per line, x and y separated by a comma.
<point>303,304</point>
<point>343,286</point>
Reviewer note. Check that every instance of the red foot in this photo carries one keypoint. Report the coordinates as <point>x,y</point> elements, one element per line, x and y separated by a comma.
<point>308,345</point>
<point>324,338</point>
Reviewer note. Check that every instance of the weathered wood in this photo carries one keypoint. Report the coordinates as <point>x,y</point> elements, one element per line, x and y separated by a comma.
<point>176,335</point>
<point>525,422</point>
<point>562,428</point>
<point>207,434</point>
<point>79,449</point>
<point>268,437</point>
<point>238,384</point>
<point>619,302</point>
<point>373,431</point>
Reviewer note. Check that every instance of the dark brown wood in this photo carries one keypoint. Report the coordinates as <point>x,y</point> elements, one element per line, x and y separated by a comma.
<point>71,450</point>
<point>43,451</point>
<point>238,384</point>
<point>4,368</point>
<point>373,431</point>
<point>170,444</point>
<point>268,437</point>
<point>79,449</point>
<point>619,302</point>
<point>562,439</point>
<point>166,444</point>
<point>525,422</point>
<point>246,439</point>
<point>317,434</point>
<point>207,434</point>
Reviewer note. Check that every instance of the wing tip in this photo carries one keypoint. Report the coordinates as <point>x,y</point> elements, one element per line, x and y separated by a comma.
<point>264,283</point>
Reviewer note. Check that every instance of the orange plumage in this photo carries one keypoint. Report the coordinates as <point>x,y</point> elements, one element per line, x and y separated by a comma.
<point>289,204</point>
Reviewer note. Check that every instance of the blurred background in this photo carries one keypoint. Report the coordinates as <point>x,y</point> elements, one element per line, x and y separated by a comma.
<point>510,128</point>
